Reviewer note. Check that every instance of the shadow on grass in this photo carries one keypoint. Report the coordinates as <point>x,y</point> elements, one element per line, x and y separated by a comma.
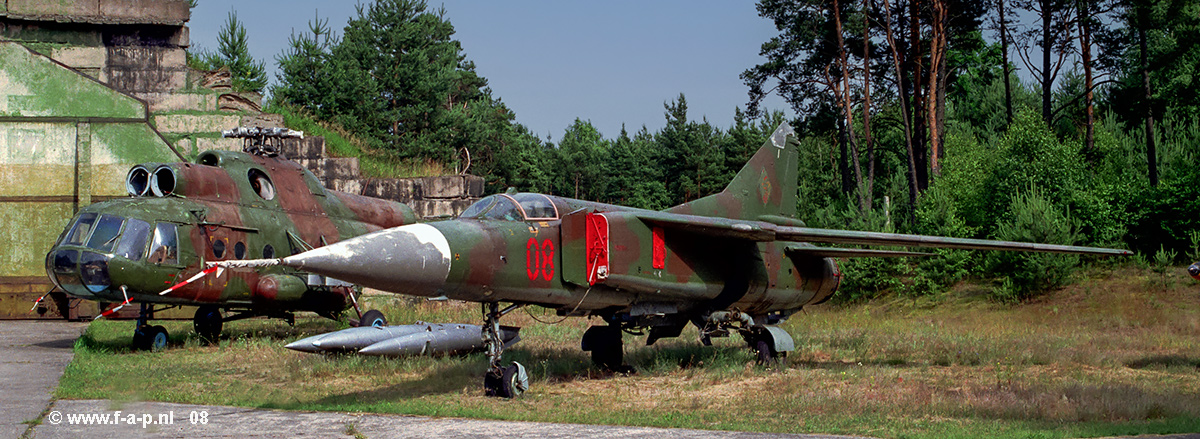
<point>838,365</point>
<point>1164,361</point>
<point>117,336</point>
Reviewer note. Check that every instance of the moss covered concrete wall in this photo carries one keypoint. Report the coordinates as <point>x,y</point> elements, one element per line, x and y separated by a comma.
<point>66,140</point>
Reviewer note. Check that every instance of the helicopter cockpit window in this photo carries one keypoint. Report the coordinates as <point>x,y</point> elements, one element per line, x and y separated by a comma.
<point>106,230</point>
<point>261,183</point>
<point>79,232</point>
<point>537,206</point>
<point>165,247</point>
<point>133,240</point>
<point>476,210</point>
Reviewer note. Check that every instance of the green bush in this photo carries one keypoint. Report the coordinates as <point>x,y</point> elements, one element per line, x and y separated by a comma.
<point>1032,218</point>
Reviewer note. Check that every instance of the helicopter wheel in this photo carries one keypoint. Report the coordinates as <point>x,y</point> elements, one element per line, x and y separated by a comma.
<point>141,338</point>
<point>157,338</point>
<point>208,322</point>
<point>372,318</point>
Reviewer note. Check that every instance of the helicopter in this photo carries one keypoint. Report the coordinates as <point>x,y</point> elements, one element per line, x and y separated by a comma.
<point>151,248</point>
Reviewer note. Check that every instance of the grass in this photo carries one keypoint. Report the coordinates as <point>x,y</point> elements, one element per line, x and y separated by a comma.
<point>341,143</point>
<point>1112,354</point>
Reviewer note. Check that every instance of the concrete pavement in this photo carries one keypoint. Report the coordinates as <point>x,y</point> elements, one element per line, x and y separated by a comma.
<point>166,420</point>
<point>33,355</point>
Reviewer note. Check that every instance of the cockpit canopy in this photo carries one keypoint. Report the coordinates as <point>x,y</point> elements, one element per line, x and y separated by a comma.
<point>515,207</point>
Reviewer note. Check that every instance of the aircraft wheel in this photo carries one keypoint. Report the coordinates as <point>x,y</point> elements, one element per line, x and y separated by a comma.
<point>608,357</point>
<point>158,338</point>
<point>372,318</point>
<point>766,352</point>
<point>141,338</point>
<point>208,323</point>
<point>514,382</point>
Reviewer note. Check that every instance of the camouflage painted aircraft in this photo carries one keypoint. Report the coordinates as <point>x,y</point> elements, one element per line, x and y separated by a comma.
<point>227,205</point>
<point>733,261</point>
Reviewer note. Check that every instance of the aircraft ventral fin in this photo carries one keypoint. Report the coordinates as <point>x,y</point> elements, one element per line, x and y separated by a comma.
<point>766,232</point>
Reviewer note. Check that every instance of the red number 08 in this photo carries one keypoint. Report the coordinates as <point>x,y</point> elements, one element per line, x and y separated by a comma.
<point>539,260</point>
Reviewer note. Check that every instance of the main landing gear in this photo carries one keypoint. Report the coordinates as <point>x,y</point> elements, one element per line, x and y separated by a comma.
<point>769,343</point>
<point>605,344</point>
<point>500,381</point>
<point>208,323</point>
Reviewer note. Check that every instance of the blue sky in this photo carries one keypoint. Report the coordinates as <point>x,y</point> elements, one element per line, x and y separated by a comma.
<point>610,62</point>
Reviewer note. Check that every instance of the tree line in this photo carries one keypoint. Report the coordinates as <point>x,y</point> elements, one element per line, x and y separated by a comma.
<point>912,119</point>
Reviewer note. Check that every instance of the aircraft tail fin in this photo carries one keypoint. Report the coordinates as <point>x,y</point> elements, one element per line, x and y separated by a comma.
<point>766,185</point>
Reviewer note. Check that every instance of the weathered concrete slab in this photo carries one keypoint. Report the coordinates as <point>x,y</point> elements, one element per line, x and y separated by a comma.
<point>430,208</point>
<point>175,12</point>
<point>211,143</point>
<point>164,101</point>
<point>396,189</point>
<point>196,123</point>
<point>33,355</point>
<point>81,57</point>
<point>310,147</point>
<point>221,421</point>
<point>339,168</point>
<point>448,186</point>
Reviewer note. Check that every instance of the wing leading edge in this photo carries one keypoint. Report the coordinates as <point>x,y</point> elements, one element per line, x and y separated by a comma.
<point>765,232</point>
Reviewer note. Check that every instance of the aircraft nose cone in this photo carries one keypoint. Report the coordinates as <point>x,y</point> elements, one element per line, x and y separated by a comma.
<point>412,259</point>
<point>79,273</point>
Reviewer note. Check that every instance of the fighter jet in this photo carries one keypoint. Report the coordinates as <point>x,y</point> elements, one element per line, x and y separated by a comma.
<point>151,248</point>
<point>737,261</point>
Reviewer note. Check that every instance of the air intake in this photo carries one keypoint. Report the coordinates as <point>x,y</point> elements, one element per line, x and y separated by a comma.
<point>162,183</point>
<point>138,181</point>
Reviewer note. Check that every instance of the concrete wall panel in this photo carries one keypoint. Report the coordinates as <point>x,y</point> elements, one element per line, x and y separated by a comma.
<point>32,85</point>
<point>195,123</point>
<point>32,227</point>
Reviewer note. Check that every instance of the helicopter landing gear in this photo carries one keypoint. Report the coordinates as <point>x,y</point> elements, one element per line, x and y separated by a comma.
<point>208,322</point>
<point>500,381</point>
<point>372,318</point>
<point>146,337</point>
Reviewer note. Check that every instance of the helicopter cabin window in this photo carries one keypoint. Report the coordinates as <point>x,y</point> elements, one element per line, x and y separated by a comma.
<point>80,231</point>
<point>164,249</point>
<point>268,252</point>
<point>133,240</point>
<point>261,183</point>
<point>537,206</point>
<point>239,250</point>
<point>105,233</point>
<point>218,248</point>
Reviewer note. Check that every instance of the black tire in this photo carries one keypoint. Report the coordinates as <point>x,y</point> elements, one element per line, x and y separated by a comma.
<point>508,383</point>
<point>609,358</point>
<point>158,338</point>
<point>492,384</point>
<point>766,352</point>
<point>141,338</point>
<point>208,323</point>
<point>372,318</point>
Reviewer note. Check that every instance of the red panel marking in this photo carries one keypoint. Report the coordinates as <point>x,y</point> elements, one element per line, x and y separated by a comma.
<point>532,259</point>
<point>597,247</point>
<point>659,252</point>
<point>547,260</point>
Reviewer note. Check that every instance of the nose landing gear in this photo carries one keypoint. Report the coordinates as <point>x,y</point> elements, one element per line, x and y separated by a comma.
<point>500,381</point>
